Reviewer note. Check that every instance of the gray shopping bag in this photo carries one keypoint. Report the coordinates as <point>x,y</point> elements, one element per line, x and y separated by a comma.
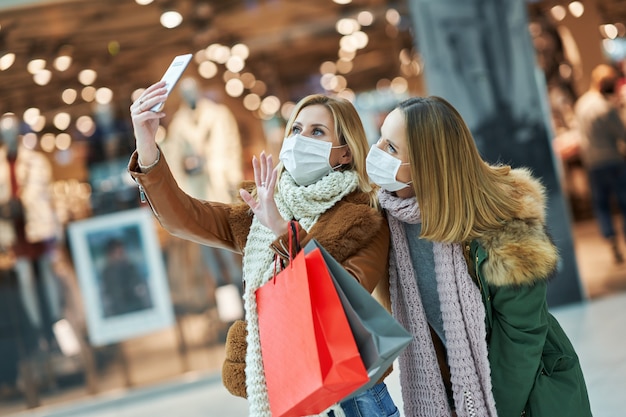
<point>379,336</point>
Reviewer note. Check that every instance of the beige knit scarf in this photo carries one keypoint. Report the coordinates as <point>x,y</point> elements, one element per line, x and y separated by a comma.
<point>463,313</point>
<point>304,204</point>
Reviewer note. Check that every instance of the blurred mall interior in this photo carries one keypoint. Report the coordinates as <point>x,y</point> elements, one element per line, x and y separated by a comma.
<point>70,69</point>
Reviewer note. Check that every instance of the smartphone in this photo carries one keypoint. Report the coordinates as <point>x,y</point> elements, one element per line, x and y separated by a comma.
<point>172,75</point>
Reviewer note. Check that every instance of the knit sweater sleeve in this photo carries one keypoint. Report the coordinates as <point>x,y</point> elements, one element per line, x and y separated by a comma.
<point>518,334</point>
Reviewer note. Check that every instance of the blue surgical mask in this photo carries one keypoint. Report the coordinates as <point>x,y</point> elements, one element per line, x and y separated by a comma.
<point>382,169</point>
<point>306,159</point>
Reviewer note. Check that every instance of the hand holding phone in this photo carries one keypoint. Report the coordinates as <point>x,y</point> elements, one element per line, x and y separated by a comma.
<point>172,75</point>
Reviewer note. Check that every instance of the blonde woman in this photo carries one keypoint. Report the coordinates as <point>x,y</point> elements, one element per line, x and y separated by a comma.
<point>469,267</point>
<point>321,183</point>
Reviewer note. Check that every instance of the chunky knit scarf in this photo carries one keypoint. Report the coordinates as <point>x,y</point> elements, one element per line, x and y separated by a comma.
<point>305,204</point>
<point>463,312</point>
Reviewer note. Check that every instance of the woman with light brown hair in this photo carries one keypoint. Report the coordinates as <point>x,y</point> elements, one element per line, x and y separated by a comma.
<point>321,185</point>
<point>469,266</point>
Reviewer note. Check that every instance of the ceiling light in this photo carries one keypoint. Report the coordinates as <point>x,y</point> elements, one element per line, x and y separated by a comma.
<point>29,140</point>
<point>365,18</point>
<point>87,76</point>
<point>104,95</point>
<point>63,141</point>
<point>171,19</point>
<point>39,124</point>
<point>240,50</point>
<point>207,69</point>
<point>234,87</point>
<point>69,96</point>
<point>558,12</point>
<point>235,63</point>
<point>609,31</point>
<point>85,125</point>
<point>347,26</point>
<point>47,142</point>
<point>36,65</point>
<point>328,67</point>
<point>88,93</point>
<point>344,66</point>
<point>393,17</point>
<point>252,102</point>
<point>248,79</point>
<point>286,109</point>
<point>6,61</point>
<point>31,115</point>
<point>576,8</point>
<point>61,120</point>
<point>64,58</point>
<point>42,77</point>
<point>270,105</point>
<point>62,63</point>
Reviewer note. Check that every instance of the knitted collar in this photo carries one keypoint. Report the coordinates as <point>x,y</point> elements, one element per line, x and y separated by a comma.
<point>305,204</point>
<point>463,315</point>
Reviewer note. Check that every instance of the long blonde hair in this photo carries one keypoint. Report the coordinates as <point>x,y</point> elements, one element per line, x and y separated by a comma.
<point>460,195</point>
<point>349,130</point>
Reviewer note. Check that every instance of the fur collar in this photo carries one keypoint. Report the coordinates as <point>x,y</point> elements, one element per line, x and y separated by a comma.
<point>521,251</point>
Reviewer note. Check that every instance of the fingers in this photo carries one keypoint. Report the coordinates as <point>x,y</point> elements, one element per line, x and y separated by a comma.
<point>247,197</point>
<point>264,175</point>
<point>273,173</point>
<point>156,93</point>
<point>256,167</point>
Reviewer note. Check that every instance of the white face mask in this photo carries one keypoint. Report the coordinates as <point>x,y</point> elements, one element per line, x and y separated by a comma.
<point>306,159</point>
<point>382,169</point>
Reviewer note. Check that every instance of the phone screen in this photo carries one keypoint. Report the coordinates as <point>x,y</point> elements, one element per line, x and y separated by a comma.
<point>172,75</point>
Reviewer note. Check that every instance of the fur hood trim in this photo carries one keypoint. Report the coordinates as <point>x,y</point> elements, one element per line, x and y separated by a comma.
<point>521,252</point>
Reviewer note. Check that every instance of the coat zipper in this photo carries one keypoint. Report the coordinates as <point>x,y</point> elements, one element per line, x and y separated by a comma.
<point>143,197</point>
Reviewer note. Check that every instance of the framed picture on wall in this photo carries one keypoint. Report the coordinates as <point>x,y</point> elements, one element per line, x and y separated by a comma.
<point>121,275</point>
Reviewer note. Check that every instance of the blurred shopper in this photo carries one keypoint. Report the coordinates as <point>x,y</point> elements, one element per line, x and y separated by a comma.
<point>321,184</point>
<point>18,337</point>
<point>603,137</point>
<point>28,223</point>
<point>469,268</point>
<point>28,227</point>
<point>123,288</point>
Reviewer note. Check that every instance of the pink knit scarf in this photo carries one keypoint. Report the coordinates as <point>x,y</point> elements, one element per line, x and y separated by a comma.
<point>463,315</point>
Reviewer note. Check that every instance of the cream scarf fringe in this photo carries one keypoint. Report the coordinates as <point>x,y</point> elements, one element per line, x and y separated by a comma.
<point>305,204</point>
<point>463,315</point>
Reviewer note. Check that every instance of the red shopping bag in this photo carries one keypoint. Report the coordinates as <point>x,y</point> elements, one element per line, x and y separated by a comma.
<point>310,357</point>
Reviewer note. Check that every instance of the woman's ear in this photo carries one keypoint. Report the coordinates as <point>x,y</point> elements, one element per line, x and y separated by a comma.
<point>346,156</point>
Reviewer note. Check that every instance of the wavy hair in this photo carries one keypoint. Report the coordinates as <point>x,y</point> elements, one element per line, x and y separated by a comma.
<point>460,195</point>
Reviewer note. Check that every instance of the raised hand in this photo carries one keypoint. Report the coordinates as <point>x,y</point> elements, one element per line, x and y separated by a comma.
<point>264,206</point>
<point>146,122</point>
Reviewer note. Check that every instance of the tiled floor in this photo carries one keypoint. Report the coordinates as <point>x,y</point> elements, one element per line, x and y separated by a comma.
<point>596,328</point>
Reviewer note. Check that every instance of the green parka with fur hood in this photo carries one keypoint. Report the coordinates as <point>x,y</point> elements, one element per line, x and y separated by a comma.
<point>512,266</point>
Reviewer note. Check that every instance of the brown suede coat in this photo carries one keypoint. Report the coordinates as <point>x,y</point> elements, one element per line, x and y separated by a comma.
<point>354,233</point>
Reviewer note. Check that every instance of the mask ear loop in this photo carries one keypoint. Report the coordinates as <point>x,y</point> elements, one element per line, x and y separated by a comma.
<point>337,147</point>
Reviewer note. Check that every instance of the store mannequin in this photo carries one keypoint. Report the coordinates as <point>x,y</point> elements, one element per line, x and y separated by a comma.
<point>203,147</point>
<point>28,225</point>
<point>209,135</point>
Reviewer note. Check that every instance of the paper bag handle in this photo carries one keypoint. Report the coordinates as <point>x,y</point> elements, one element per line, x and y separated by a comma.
<point>294,242</point>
